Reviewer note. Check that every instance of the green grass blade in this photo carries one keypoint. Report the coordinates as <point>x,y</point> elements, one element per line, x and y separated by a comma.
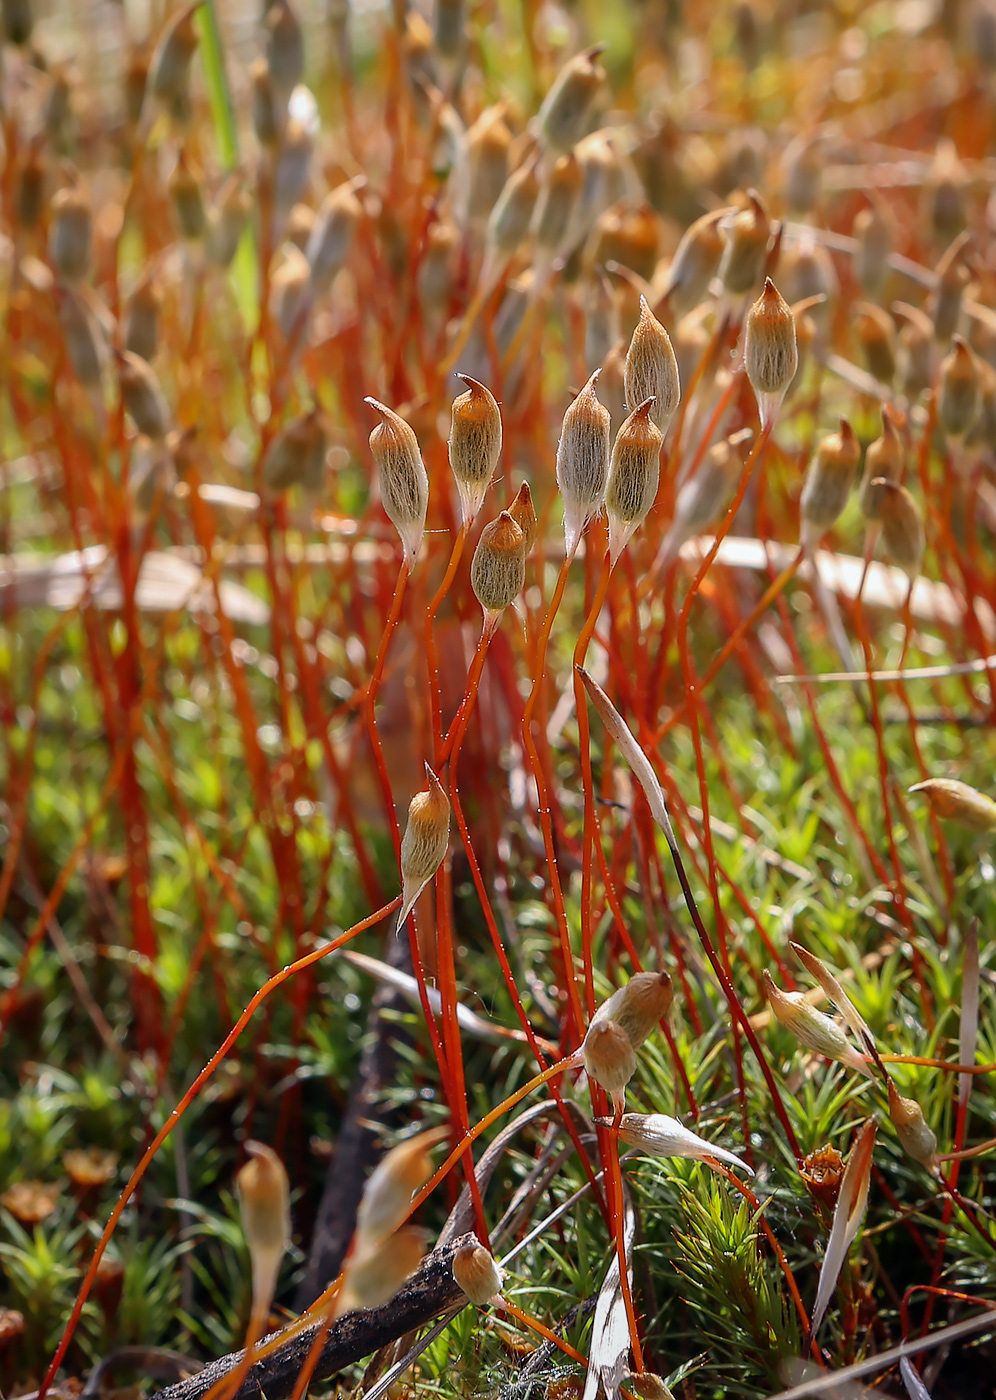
<point>219,95</point>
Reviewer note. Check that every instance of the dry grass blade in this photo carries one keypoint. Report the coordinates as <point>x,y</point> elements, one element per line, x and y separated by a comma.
<point>461,1216</point>
<point>885,586</point>
<point>228,497</point>
<point>847,1217</point>
<point>968,1030</point>
<point>405,983</point>
<point>166,583</point>
<point>828,1382</point>
<point>398,1368</point>
<point>632,752</point>
<point>979,667</point>
<point>914,1385</point>
<point>801,1372</point>
<point>607,1362</point>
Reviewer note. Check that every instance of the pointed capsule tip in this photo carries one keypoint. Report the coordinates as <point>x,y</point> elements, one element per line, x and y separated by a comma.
<point>593,380</point>
<point>405,910</point>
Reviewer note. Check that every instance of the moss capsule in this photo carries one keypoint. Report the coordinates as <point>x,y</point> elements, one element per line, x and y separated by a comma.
<point>565,111</point>
<point>583,462</point>
<point>404,484</point>
<point>634,473</point>
<point>424,844</point>
<point>771,355</point>
<point>828,482</point>
<point>498,569</point>
<point>474,444</point>
<point>652,369</point>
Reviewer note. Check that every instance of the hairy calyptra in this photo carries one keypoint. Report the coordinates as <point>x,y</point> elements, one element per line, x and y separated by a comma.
<point>332,234</point>
<point>639,1006</point>
<point>392,1184</point>
<point>296,456</point>
<point>424,843</point>
<point>474,444</point>
<point>883,461</point>
<point>959,802</point>
<point>811,1028</point>
<point>373,1276</point>
<point>746,236</point>
<point>828,482</point>
<point>660,1135</point>
<point>563,116</point>
<point>695,261</point>
<point>404,484</point>
<point>609,1059</point>
<point>70,234</point>
<point>634,472</point>
<point>651,369</point>
<point>143,396</point>
<point>771,355</point>
<point>915,1135</point>
<point>523,513</point>
<point>264,1201</point>
<point>959,399</point>
<point>477,1274</point>
<point>903,536</point>
<point>498,569</point>
<point>583,462</point>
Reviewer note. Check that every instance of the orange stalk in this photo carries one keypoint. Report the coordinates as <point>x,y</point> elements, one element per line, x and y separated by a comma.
<point>576,1017</point>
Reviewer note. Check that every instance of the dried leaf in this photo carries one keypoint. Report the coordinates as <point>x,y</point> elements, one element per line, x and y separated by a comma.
<point>610,1339</point>
<point>634,755</point>
<point>911,1380</point>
